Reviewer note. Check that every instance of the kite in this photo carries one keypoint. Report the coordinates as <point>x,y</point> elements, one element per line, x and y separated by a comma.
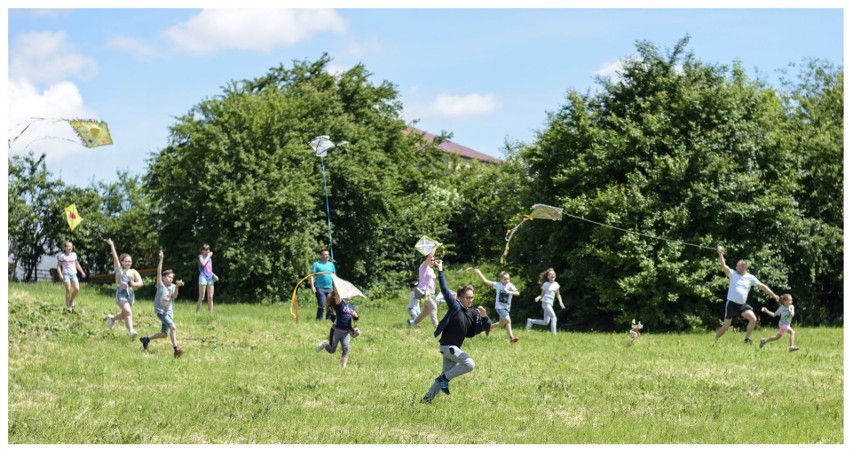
<point>91,133</point>
<point>321,145</point>
<point>635,327</point>
<point>72,216</point>
<point>427,245</point>
<point>539,211</point>
<point>343,288</point>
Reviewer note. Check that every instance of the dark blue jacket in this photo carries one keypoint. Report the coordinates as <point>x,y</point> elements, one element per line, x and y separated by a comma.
<point>454,307</point>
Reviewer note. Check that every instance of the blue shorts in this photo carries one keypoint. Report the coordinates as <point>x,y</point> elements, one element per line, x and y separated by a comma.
<point>202,280</point>
<point>503,313</point>
<point>122,294</point>
<point>69,277</point>
<point>166,320</point>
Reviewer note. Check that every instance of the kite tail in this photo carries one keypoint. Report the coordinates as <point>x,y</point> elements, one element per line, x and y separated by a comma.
<point>294,301</point>
<point>509,235</point>
<point>20,133</point>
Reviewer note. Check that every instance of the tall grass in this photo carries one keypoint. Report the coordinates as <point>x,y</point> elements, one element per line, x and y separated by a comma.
<point>249,374</point>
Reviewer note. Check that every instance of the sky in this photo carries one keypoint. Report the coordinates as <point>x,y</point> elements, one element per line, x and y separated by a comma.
<point>488,76</point>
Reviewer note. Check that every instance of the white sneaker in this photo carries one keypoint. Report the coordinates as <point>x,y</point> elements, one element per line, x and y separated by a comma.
<point>110,322</point>
<point>133,335</point>
<point>321,346</point>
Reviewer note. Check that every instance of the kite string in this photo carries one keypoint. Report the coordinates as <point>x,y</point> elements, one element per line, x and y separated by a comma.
<point>640,234</point>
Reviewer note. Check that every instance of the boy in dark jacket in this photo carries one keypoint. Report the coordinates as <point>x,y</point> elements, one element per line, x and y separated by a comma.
<point>460,322</point>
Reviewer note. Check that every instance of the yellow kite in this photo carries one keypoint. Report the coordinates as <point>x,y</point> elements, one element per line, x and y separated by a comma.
<point>92,132</point>
<point>72,216</point>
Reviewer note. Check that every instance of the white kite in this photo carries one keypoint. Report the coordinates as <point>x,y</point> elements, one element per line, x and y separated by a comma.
<point>345,289</point>
<point>427,245</point>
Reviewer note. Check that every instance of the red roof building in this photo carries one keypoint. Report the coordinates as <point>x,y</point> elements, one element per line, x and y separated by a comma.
<point>452,147</point>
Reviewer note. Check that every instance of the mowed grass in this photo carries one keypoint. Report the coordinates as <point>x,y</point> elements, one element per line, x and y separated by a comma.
<point>249,374</point>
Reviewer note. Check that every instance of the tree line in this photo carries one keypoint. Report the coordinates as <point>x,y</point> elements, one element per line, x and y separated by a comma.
<point>672,148</point>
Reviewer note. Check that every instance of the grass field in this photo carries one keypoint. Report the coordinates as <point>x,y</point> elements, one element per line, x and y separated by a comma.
<point>249,374</point>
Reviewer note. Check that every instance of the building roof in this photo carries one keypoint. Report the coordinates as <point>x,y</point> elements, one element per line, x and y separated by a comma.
<point>453,147</point>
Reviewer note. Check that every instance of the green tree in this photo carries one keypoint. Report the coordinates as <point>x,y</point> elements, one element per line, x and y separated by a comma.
<point>488,204</point>
<point>812,134</point>
<point>35,217</point>
<point>672,148</point>
<point>240,176</point>
<point>123,213</point>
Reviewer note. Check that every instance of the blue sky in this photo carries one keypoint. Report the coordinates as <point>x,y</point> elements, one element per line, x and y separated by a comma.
<point>486,75</point>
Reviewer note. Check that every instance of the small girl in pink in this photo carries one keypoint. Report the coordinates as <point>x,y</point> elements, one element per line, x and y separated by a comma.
<point>785,312</point>
<point>426,284</point>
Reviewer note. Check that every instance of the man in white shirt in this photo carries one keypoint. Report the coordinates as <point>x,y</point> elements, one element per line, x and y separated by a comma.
<point>741,283</point>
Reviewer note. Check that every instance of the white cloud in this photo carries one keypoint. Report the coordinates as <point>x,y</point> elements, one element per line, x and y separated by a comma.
<point>54,138</point>
<point>610,68</point>
<point>458,106</point>
<point>46,57</point>
<point>40,65</point>
<point>260,30</point>
<point>133,45</point>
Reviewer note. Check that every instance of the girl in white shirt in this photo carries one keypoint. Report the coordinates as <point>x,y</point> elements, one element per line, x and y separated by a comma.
<point>549,292</point>
<point>67,266</point>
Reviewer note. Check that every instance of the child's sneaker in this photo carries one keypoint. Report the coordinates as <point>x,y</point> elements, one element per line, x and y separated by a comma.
<point>762,342</point>
<point>133,335</point>
<point>110,322</point>
<point>178,352</point>
<point>426,400</point>
<point>513,339</point>
<point>145,341</point>
<point>748,341</point>
<point>321,345</point>
<point>793,348</point>
<point>410,322</point>
<point>443,384</point>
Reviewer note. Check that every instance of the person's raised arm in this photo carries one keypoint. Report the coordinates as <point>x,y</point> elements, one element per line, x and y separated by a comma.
<point>115,262</point>
<point>160,269</point>
<point>484,280</point>
<point>428,258</point>
<point>452,302</point>
<point>768,312</point>
<point>725,267</point>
